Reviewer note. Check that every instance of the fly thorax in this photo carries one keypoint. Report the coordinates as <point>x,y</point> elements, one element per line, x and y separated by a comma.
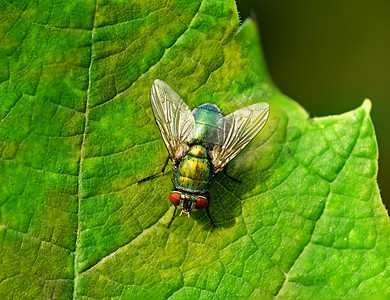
<point>209,124</point>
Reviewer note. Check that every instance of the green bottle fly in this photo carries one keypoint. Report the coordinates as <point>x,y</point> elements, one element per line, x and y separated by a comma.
<point>200,143</point>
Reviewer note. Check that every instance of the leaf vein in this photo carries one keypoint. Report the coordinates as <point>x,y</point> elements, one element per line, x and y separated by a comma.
<point>79,183</point>
<point>154,64</point>
<point>322,212</point>
<point>34,238</point>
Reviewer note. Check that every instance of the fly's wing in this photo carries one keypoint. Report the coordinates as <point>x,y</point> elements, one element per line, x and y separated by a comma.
<point>173,117</point>
<point>240,128</point>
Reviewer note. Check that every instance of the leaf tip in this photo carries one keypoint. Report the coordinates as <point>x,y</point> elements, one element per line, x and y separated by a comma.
<point>367,104</point>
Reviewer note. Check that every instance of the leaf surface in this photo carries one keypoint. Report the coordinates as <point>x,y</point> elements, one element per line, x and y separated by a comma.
<point>77,132</point>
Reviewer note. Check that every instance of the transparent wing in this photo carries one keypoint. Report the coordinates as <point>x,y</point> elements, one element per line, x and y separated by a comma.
<point>240,128</point>
<point>173,117</point>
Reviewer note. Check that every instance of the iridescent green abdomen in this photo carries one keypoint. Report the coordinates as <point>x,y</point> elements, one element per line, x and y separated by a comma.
<point>208,123</point>
<point>193,173</point>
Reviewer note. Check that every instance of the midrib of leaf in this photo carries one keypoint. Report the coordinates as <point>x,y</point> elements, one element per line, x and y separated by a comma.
<point>80,182</point>
<point>77,272</point>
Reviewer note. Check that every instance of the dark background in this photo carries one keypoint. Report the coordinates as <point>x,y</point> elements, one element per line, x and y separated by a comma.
<point>329,56</point>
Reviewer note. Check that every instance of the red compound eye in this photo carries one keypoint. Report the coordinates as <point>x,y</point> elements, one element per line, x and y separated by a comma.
<point>201,202</point>
<point>174,197</point>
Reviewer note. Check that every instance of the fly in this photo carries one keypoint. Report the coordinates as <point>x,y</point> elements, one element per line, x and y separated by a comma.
<point>200,143</point>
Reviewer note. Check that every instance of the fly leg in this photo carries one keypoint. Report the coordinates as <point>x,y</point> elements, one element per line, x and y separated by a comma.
<point>151,176</point>
<point>232,178</point>
<point>173,216</point>
<point>208,214</point>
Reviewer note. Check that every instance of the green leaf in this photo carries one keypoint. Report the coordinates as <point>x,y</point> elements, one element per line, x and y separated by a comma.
<point>77,132</point>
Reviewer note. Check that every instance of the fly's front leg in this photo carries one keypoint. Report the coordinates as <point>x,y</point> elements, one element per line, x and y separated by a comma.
<point>170,222</point>
<point>208,214</point>
<point>151,176</point>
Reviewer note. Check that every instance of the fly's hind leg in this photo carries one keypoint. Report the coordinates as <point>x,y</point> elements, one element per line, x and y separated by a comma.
<point>151,176</point>
<point>231,177</point>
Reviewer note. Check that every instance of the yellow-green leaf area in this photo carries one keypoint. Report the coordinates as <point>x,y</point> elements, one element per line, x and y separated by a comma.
<point>77,132</point>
